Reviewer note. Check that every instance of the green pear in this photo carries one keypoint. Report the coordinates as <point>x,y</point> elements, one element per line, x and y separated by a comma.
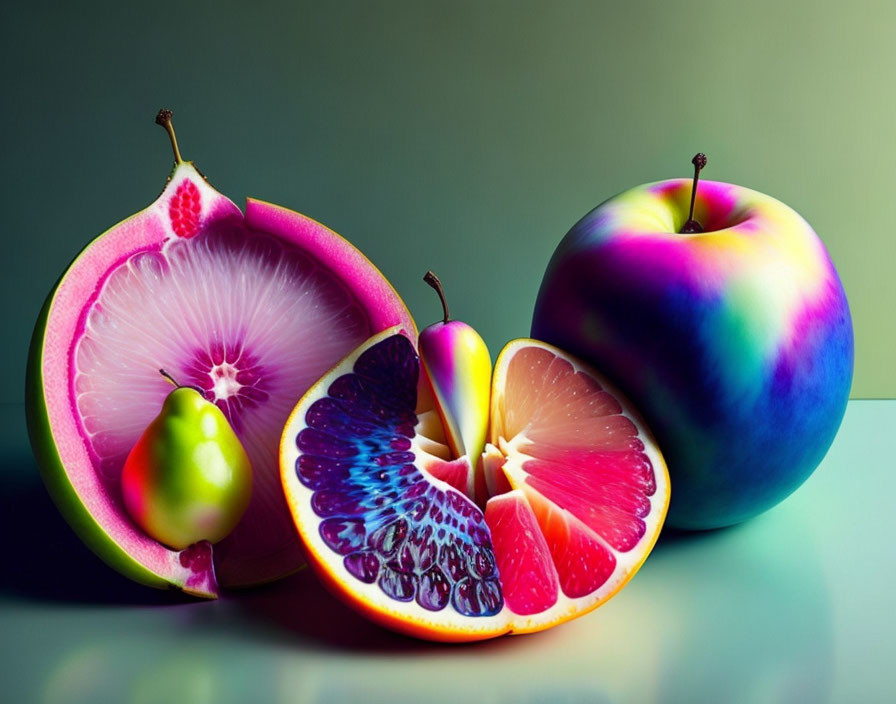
<point>188,478</point>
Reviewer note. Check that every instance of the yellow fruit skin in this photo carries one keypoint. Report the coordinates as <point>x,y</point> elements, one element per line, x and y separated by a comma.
<point>459,368</point>
<point>188,478</point>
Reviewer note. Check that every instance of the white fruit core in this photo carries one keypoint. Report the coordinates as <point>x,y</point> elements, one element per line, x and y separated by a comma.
<point>247,319</point>
<point>224,381</point>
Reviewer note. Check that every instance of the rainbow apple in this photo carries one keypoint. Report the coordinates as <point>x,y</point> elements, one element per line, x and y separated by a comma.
<point>727,325</point>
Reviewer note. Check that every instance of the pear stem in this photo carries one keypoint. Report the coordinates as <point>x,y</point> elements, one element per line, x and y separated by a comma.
<point>433,281</point>
<point>164,119</point>
<point>691,226</point>
<point>169,378</point>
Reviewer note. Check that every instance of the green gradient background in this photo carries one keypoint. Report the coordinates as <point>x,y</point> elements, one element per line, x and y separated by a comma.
<point>465,137</point>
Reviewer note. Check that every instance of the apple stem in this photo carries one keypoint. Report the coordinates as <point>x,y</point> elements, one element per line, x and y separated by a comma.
<point>164,119</point>
<point>169,378</point>
<point>433,281</point>
<point>691,226</point>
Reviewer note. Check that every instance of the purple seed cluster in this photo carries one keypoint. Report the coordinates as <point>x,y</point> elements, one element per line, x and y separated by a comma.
<point>377,509</point>
<point>248,373</point>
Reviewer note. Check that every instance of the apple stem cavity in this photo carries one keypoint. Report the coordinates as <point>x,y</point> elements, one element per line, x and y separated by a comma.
<point>433,281</point>
<point>692,226</point>
<point>164,119</point>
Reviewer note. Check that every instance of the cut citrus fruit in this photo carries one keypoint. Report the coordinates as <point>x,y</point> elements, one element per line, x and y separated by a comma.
<point>249,309</point>
<point>576,494</point>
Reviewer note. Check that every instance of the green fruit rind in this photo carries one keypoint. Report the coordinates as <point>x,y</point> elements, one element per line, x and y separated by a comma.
<point>55,476</point>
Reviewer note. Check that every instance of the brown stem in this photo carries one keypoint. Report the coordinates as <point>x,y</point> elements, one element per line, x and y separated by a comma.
<point>169,378</point>
<point>164,119</point>
<point>691,226</point>
<point>433,281</point>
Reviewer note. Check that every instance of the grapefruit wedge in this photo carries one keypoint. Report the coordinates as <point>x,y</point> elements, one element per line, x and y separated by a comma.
<point>576,493</point>
<point>249,308</point>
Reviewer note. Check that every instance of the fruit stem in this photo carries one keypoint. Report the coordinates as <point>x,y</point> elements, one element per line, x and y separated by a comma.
<point>433,281</point>
<point>164,119</point>
<point>691,226</point>
<point>169,378</point>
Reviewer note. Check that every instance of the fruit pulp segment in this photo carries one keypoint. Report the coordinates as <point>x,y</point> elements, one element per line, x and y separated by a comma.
<point>545,397</point>
<point>579,460</point>
<point>582,560</point>
<point>185,209</point>
<point>528,575</point>
<point>221,310</point>
<point>492,469</point>
<point>456,473</point>
<point>385,520</point>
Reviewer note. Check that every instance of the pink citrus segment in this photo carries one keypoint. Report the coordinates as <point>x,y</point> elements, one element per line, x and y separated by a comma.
<point>528,576</point>
<point>557,406</point>
<point>583,562</point>
<point>492,469</point>
<point>250,316</point>
<point>577,447</point>
<point>591,504</point>
<point>456,473</point>
<point>630,467</point>
<point>588,467</point>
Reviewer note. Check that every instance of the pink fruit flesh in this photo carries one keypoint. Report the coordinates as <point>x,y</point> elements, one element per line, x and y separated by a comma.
<point>583,563</point>
<point>456,473</point>
<point>493,473</point>
<point>584,456</point>
<point>252,311</point>
<point>528,577</point>
<point>251,323</point>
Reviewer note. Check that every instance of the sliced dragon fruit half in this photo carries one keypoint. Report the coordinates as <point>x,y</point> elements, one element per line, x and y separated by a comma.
<point>250,308</point>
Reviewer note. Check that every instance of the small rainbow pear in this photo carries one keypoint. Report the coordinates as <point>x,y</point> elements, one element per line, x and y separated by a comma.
<point>459,369</point>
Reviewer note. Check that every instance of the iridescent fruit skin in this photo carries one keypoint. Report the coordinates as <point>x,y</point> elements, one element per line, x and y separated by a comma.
<point>188,478</point>
<point>736,344</point>
<point>459,368</point>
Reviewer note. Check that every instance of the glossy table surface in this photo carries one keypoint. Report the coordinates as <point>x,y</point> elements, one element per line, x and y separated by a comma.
<point>795,606</point>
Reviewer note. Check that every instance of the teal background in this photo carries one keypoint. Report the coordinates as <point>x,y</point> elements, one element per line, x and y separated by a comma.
<point>465,137</point>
